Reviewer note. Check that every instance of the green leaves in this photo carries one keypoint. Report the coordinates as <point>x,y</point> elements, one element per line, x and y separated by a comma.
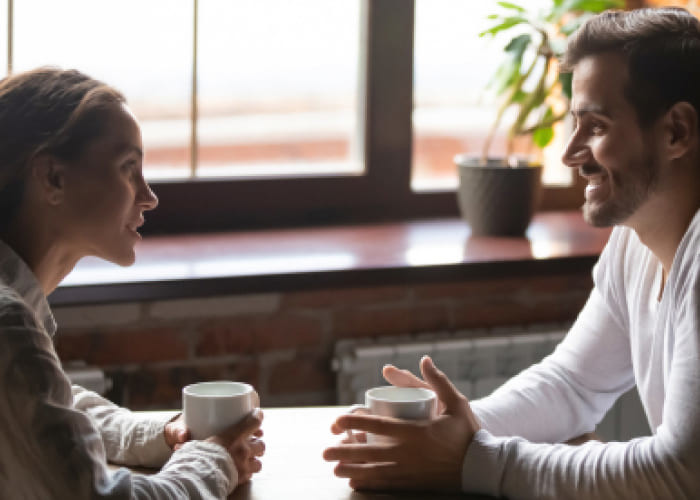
<point>512,6</point>
<point>543,135</point>
<point>565,80</point>
<point>509,71</point>
<point>564,7</point>
<point>536,37</point>
<point>507,23</point>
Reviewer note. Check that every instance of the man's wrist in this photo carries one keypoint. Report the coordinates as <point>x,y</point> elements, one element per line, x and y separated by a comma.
<point>482,468</point>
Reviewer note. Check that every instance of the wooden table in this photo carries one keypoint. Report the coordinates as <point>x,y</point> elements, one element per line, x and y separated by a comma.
<point>293,467</point>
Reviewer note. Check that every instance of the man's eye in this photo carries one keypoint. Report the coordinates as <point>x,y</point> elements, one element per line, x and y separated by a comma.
<point>597,128</point>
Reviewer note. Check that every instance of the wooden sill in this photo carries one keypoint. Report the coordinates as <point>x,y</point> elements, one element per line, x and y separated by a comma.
<point>431,250</point>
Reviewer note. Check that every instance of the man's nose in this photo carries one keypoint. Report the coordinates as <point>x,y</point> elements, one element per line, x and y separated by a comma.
<point>576,153</point>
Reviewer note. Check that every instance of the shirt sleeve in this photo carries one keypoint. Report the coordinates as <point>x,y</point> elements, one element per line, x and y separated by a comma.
<point>581,379</point>
<point>53,450</point>
<point>663,466</point>
<point>129,438</point>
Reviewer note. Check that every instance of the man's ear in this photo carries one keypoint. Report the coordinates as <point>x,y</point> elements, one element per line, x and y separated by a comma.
<point>682,129</point>
<point>49,175</point>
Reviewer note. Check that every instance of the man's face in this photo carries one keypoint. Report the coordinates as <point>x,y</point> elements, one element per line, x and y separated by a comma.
<point>611,151</point>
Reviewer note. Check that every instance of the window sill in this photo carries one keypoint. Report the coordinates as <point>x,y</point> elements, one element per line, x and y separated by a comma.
<point>431,250</point>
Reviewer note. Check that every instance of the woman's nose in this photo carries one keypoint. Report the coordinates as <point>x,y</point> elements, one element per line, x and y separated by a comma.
<point>148,199</point>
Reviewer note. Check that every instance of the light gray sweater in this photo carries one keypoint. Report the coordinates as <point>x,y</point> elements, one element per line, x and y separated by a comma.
<point>55,440</point>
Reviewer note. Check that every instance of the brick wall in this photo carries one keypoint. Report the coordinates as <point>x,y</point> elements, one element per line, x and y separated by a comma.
<point>283,343</point>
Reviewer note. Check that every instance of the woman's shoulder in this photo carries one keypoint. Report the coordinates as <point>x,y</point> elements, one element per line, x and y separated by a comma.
<point>14,310</point>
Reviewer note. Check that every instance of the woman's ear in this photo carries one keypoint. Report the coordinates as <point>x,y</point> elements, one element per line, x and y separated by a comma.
<point>49,175</point>
<point>682,127</point>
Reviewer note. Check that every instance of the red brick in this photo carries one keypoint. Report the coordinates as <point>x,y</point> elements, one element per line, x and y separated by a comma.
<point>506,286</point>
<point>509,311</point>
<point>344,297</point>
<point>162,387</point>
<point>390,320</point>
<point>131,346</point>
<point>258,333</point>
<point>303,374</point>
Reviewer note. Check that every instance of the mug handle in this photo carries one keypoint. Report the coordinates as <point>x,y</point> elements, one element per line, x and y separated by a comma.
<point>356,409</point>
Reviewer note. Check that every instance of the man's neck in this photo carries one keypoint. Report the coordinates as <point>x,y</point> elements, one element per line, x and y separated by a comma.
<point>663,222</point>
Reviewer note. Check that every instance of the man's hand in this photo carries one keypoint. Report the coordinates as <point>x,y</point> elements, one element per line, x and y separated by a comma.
<point>404,378</point>
<point>422,455</point>
<point>243,443</point>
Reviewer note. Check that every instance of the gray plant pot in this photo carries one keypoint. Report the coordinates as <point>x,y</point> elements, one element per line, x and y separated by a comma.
<point>497,200</point>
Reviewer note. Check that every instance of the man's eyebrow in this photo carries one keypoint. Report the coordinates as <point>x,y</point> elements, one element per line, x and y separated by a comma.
<point>589,109</point>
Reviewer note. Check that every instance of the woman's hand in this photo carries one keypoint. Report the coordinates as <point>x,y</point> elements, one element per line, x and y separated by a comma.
<point>176,434</point>
<point>243,443</point>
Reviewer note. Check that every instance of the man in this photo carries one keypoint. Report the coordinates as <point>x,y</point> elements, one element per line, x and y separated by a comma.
<point>636,107</point>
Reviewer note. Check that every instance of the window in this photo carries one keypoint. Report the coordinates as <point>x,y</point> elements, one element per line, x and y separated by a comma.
<point>141,48</point>
<point>256,112</point>
<point>453,111</point>
<point>277,88</point>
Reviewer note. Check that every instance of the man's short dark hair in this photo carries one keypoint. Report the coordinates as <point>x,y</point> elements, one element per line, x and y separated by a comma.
<point>662,49</point>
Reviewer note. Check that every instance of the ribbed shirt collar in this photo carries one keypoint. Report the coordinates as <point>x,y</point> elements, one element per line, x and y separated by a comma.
<point>15,273</point>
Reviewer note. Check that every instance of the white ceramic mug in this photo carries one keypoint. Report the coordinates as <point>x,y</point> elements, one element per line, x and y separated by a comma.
<point>408,403</point>
<point>211,407</point>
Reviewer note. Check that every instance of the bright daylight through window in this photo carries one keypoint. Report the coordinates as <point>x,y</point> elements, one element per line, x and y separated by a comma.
<point>453,110</point>
<point>277,81</point>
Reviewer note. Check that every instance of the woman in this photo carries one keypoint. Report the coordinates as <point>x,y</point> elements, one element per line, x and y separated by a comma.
<point>71,185</point>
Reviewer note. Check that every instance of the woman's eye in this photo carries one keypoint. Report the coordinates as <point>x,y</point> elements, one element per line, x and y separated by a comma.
<point>130,167</point>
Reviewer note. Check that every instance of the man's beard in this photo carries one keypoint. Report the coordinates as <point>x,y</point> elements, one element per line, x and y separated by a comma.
<point>630,192</point>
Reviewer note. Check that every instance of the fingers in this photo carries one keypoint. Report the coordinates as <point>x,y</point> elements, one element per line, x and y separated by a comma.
<point>402,378</point>
<point>175,431</point>
<point>248,426</point>
<point>357,437</point>
<point>446,391</point>
<point>367,471</point>
<point>257,447</point>
<point>360,453</point>
<point>245,457</point>
<point>386,426</point>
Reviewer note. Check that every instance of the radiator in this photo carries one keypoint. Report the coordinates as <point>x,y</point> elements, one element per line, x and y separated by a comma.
<point>476,366</point>
<point>91,378</point>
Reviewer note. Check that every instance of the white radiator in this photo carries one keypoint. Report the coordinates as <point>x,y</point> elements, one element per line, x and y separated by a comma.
<point>476,366</point>
<point>91,378</point>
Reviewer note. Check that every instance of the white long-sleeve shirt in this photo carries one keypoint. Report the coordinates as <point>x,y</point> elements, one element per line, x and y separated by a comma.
<point>55,440</point>
<point>623,337</point>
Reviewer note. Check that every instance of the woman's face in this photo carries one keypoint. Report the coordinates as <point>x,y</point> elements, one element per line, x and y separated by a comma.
<point>106,194</point>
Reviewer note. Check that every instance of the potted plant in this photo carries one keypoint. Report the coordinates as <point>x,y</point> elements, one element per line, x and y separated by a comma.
<point>498,196</point>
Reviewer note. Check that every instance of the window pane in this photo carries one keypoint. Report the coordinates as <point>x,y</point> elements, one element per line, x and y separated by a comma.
<point>452,111</point>
<point>278,87</point>
<point>3,38</point>
<point>144,49</point>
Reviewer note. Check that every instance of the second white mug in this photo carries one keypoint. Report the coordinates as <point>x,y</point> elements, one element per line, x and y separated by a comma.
<point>408,403</point>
